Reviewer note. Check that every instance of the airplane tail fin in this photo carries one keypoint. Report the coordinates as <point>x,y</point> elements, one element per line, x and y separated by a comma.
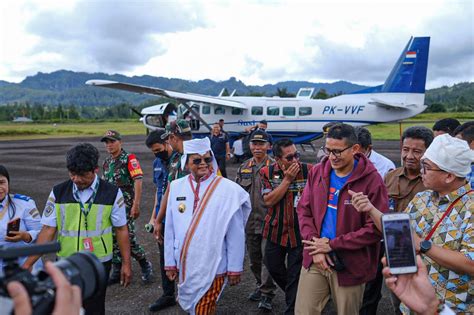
<point>409,73</point>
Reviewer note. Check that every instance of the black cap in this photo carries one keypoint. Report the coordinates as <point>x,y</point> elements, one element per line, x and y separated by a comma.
<point>263,122</point>
<point>259,135</point>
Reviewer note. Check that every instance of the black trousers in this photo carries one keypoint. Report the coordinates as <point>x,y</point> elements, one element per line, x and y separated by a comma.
<point>286,275</point>
<point>167,284</point>
<point>373,289</point>
<point>96,305</point>
<point>221,163</point>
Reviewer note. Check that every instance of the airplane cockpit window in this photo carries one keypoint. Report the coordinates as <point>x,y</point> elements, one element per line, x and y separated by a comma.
<point>154,120</point>
<point>257,110</point>
<point>237,111</point>
<point>305,111</point>
<point>289,111</point>
<point>206,109</point>
<point>219,110</point>
<point>273,110</point>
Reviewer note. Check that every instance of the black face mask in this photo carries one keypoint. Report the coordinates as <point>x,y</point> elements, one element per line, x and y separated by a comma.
<point>163,155</point>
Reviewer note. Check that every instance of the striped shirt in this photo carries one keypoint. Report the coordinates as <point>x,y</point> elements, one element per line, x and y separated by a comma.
<point>281,222</point>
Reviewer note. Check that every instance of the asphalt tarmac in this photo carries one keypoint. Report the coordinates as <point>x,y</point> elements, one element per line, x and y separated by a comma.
<point>35,166</point>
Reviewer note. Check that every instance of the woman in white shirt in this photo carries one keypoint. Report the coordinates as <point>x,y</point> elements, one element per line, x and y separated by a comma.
<point>14,207</point>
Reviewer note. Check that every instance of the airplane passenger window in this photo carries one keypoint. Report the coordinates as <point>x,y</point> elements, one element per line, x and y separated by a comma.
<point>219,110</point>
<point>305,111</point>
<point>257,110</point>
<point>206,110</point>
<point>289,111</point>
<point>273,110</point>
<point>237,111</point>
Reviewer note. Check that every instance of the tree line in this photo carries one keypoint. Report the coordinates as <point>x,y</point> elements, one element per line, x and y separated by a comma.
<point>60,113</point>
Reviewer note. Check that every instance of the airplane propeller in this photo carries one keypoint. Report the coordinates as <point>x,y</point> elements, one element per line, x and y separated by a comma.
<point>136,111</point>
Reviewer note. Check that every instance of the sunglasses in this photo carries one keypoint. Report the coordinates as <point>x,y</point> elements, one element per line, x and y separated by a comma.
<point>290,157</point>
<point>207,160</point>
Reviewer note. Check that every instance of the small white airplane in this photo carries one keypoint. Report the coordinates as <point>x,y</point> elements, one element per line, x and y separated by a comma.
<point>300,118</point>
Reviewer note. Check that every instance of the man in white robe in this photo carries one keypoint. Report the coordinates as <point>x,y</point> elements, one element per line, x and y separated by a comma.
<point>206,216</point>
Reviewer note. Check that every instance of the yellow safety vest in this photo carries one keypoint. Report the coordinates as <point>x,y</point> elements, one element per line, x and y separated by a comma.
<point>71,221</point>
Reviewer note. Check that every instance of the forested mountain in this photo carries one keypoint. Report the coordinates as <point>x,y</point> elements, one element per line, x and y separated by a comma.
<point>67,88</point>
<point>459,98</point>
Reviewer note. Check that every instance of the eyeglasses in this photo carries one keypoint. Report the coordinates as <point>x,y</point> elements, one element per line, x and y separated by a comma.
<point>335,152</point>
<point>207,160</point>
<point>295,155</point>
<point>426,167</point>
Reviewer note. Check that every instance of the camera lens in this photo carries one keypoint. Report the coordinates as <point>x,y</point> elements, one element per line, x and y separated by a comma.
<point>84,270</point>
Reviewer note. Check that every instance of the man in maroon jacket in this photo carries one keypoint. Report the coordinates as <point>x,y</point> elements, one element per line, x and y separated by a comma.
<point>342,245</point>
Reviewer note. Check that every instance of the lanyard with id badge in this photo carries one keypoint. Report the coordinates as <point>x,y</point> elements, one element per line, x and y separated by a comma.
<point>87,241</point>
<point>297,198</point>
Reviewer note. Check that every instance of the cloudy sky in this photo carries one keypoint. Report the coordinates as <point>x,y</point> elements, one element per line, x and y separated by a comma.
<point>257,42</point>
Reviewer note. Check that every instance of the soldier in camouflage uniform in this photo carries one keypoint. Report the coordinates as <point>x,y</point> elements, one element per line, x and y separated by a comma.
<point>249,179</point>
<point>123,170</point>
<point>176,132</point>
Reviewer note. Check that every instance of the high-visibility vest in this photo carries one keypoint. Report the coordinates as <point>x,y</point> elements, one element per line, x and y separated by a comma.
<point>71,222</point>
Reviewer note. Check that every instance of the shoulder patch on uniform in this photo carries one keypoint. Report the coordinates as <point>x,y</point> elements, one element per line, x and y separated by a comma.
<point>120,202</point>
<point>134,163</point>
<point>34,213</point>
<point>48,210</point>
<point>21,197</point>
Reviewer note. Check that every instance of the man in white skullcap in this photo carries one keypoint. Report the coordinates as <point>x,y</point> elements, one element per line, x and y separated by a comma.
<point>206,216</point>
<point>447,247</point>
<point>442,219</point>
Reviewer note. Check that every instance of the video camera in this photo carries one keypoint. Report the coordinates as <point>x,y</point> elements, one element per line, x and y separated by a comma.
<point>82,269</point>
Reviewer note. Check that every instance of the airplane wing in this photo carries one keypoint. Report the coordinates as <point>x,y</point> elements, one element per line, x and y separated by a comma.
<point>182,97</point>
<point>388,105</point>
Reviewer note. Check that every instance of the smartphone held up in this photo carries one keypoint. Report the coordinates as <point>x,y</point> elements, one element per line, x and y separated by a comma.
<point>13,226</point>
<point>399,246</point>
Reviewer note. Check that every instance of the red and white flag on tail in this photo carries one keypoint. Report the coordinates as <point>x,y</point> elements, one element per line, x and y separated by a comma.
<point>410,57</point>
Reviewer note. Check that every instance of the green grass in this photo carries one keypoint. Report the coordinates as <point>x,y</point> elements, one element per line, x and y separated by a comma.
<point>392,131</point>
<point>436,116</point>
<point>17,131</point>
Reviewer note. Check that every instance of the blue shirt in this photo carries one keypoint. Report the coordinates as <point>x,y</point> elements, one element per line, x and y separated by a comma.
<point>470,177</point>
<point>160,179</point>
<point>336,183</point>
<point>218,144</point>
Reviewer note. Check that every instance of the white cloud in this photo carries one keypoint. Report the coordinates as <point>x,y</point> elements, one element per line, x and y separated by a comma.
<point>257,42</point>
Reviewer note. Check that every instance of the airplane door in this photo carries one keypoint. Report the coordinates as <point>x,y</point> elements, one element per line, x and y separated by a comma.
<point>194,122</point>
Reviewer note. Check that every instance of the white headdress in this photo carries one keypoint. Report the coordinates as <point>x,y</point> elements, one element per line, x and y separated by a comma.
<point>198,146</point>
<point>450,154</point>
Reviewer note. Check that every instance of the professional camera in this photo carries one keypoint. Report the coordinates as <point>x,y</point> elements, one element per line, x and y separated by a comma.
<point>82,269</point>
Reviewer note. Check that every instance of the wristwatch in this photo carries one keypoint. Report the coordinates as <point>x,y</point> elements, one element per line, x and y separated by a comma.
<point>425,246</point>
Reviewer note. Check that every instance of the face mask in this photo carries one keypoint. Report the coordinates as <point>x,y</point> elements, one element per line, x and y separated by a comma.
<point>163,155</point>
